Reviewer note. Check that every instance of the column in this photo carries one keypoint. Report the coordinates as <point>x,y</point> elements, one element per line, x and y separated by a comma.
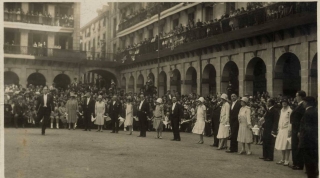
<point>198,78</point>
<point>270,72</point>
<point>241,73</point>
<point>49,77</point>
<point>217,65</point>
<point>76,26</point>
<point>23,76</point>
<point>304,61</point>
<point>24,41</point>
<point>183,78</point>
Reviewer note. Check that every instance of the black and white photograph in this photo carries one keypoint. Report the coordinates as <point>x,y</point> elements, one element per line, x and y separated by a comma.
<point>136,89</point>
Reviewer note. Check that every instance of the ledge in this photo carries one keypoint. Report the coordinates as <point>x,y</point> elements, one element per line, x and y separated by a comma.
<point>29,26</point>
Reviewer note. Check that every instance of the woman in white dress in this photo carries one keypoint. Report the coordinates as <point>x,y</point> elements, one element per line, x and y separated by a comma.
<point>201,114</point>
<point>158,118</point>
<point>284,133</point>
<point>100,108</point>
<point>223,132</point>
<point>245,133</point>
<point>129,115</point>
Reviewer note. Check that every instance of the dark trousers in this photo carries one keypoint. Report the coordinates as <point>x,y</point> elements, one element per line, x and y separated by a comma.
<point>297,156</point>
<point>311,160</point>
<point>45,114</point>
<point>268,148</point>
<point>19,119</point>
<point>143,126</point>
<point>115,124</point>
<point>215,128</point>
<point>233,137</point>
<point>87,121</point>
<point>175,129</point>
<point>207,129</point>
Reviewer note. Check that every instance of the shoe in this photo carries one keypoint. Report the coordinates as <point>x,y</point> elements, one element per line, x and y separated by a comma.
<point>129,134</point>
<point>43,134</point>
<point>229,151</point>
<point>242,152</point>
<point>178,140</point>
<point>267,159</point>
<point>89,130</point>
<point>160,137</point>
<point>286,163</point>
<point>249,153</point>
<point>297,168</point>
<point>201,142</point>
<point>112,132</point>
<point>139,136</point>
<point>98,131</point>
<point>85,130</point>
<point>173,140</point>
<point>280,162</point>
<point>262,158</point>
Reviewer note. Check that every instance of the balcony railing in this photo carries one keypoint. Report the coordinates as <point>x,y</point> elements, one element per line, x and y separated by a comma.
<point>240,21</point>
<point>143,15</point>
<point>36,19</point>
<point>47,52</point>
<point>99,56</point>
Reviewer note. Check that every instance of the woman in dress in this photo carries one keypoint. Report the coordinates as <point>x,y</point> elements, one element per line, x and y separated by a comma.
<point>100,109</point>
<point>284,133</point>
<point>72,109</point>
<point>201,117</point>
<point>158,114</point>
<point>245,126</point>
<point>129,115</point>
<point>223,132</point>
<point>63,114</point>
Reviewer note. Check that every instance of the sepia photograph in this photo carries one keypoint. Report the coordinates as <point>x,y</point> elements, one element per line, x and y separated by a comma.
<point>99,89</point>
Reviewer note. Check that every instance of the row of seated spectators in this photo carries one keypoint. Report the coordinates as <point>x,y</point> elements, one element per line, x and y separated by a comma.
<point>255,14</point>
<point>43,18</point>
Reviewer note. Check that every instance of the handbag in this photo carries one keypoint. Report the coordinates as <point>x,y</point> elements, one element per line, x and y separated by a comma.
<point>93,119</point>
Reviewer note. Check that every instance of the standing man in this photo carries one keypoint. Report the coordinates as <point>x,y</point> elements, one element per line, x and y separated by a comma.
<point>215,120</point>
<point>270,127</point>
<point>88,107</point>
<point>234,123</point>
<point>114,113</point>
<point>18,113</point>
<point>44,108</point>
<point>308,144</point>
<point>295,120</point>
<point>143,113</point>
<point>175,118</point>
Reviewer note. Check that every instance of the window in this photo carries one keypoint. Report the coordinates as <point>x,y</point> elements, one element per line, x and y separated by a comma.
<point>209,13</point>
<point>175,23</point>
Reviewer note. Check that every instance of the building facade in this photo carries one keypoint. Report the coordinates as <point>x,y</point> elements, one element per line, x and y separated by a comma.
<point>41,43</point>
<point>205,47</point>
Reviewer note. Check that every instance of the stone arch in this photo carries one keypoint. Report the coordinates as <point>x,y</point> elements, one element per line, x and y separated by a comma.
<point>230,74</point>
<point>140,83</point>
<point>104,78</point>
<point>209,80</point>
<point>61,81</point>
<point>287,79</point>
<point>36,79</point>
<point>175,81</point>
<point>131,84</point>
<point>255,78</point>
<point>191,80</point>
<point>314,76</point>
<point>10,78</point>
<point>162,88</point>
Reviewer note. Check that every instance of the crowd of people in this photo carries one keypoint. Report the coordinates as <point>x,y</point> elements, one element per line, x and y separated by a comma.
<point>38,17</point>
<point>282,123</point>
<point>256,13</point>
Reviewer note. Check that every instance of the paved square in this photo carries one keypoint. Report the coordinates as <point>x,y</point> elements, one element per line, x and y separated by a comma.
<point>75,153</point>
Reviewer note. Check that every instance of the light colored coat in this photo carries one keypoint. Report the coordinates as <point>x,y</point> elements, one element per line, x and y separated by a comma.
<point>225,113</point>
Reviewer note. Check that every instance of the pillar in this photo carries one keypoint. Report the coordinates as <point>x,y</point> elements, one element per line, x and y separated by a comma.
<point>217,66</point>
<point>76,26</point>
<point>304,62</point>
<point>24,41</point>
<point>23,76</point>
<point>183,78</point>
<point>49,77</point>
<point>270,71</point>
<point>241,67</point>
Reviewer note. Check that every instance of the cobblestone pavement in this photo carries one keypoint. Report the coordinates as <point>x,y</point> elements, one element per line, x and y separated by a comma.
<point>75,153</point>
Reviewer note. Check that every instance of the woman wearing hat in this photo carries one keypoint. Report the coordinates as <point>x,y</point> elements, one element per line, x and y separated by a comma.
<point>158,114</point>
<point>245,126</point>
<point>100,108</point>
<point>201,114</point>
<point>129,114</point>
<point>284,133</point>
<point>72,109</point>
<point>223,132</point>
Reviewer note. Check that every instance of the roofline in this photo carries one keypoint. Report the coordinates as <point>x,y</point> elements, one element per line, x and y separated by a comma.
<point>93,20</point>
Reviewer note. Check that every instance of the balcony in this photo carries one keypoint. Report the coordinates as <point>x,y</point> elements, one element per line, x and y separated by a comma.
<point>245,25</point>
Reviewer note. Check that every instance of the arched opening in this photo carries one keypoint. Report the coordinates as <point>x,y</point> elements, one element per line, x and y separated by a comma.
<point>62,81</point>
<point>131,84</point>
<point>191,81</point>
<point>209,80</point>
<point>175,81</point>
<point>123,83</point>
<point>229,79</point>
<point>140,83</point>
<point>287,79</point>
<point>151,76</point>
<point>10,78</point>
<point>314,77</point>
<point>255,79</point>
<point>103,79</point>
<point>162,83</point>
<point>36,79</point>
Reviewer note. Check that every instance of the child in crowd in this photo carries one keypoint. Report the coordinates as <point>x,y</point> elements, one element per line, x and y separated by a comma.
<point>55,116</point>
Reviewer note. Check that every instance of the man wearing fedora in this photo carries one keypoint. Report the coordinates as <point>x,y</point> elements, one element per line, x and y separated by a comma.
<point>44,108</point>
<point>114,113</point>
<point>88,107</point>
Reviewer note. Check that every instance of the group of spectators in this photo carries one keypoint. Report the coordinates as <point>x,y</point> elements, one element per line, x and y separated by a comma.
<point>38,17</point>
<point>256,13</point>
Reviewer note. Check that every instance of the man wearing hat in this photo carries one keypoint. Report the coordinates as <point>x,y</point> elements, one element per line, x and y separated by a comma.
<point>114,113</point>
<point>175,118</point>
<point>88,107</point>
<point>44,108</point>
<point>18,112</point>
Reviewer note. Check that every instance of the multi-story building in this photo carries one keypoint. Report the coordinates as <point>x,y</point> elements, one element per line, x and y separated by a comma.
<point>205,47</point>
<point>41,43</point>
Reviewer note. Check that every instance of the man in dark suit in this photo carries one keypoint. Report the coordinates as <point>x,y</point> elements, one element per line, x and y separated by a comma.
<point>308,135</point>
<point>234,123</point>
<point>44,108</point>
<point>295,119</point>
<point>18,113</point>
<point>114,113</point>
<point>175,118</point>
<point>270,127</point>
<point>215,120</point>
<point>88,107</point>
<point>143,113</point>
